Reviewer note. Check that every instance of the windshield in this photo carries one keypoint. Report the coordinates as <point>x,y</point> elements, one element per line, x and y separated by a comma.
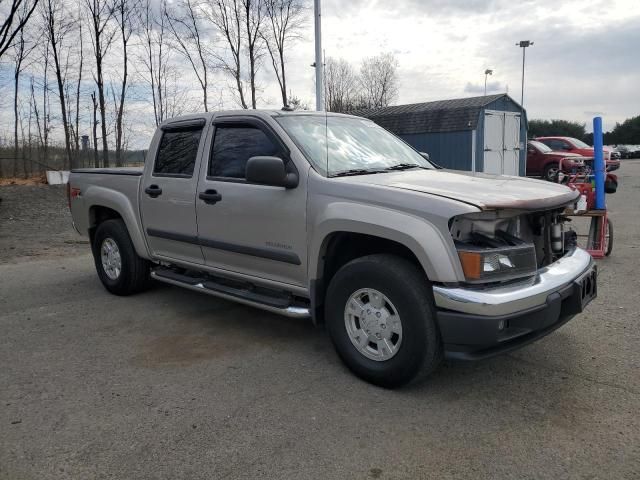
<point>578,143</point>
<point>540,146</point>
<point>343,145</point>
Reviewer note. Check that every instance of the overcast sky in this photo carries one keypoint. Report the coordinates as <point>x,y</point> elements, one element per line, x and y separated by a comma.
<point>584,62</point>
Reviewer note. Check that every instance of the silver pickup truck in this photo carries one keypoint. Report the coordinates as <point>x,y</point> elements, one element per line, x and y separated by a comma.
<point>332,217</point>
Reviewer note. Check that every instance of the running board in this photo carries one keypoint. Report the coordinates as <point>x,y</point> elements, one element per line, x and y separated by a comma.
<point>269,300</point>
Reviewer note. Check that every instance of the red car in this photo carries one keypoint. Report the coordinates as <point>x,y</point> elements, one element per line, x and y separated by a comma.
<point>573,145</point>
<point>544,162</point>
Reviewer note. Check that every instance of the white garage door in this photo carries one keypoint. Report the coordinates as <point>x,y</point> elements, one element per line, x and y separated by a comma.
<point>501,142</point>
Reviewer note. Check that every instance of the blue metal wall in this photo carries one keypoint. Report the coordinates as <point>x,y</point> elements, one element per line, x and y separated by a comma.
<point>447,149</point>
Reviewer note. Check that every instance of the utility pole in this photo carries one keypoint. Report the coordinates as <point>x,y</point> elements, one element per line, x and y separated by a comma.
<point>486,72</point>
<point>318,64</point>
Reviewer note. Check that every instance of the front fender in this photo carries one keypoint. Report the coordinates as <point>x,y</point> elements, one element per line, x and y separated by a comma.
<point>434,250</point>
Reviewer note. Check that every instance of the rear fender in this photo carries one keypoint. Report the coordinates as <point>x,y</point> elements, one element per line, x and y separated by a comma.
<point>97,196</point>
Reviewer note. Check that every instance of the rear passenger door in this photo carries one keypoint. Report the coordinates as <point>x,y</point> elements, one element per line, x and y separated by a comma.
<point>255,230</point>
<point>167,196</point>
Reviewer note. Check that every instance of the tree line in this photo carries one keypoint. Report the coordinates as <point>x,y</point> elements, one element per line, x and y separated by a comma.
<point>627,132</point>
<point>100,58</point>
<point>374,85</point>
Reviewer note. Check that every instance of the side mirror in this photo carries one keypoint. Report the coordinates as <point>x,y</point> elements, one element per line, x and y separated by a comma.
<point>270,171</point>
<point>425,155</point>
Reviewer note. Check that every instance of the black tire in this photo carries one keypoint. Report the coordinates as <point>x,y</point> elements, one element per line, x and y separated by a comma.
<point>134,272</point>
<point>609,242</point>
<point>420,349</point>
<point>550,172</point>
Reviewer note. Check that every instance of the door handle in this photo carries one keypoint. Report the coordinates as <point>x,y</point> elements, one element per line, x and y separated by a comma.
<point>210,196</point>
<point>153,191</point>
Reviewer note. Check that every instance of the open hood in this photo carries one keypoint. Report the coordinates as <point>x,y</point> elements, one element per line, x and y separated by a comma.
<point>487,192</point>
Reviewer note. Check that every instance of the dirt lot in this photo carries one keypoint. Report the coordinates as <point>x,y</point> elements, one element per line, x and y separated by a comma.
<point>171,384</point>
<point>35,221</point>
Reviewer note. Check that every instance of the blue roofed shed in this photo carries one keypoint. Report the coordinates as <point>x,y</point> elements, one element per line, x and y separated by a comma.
<point>482,134</point>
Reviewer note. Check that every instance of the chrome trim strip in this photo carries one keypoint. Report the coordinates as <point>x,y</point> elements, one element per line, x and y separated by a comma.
<point>292,312</point>
<point>530,293</point>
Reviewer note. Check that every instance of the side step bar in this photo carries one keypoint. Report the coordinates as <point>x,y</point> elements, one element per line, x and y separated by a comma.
<point>269,300</point>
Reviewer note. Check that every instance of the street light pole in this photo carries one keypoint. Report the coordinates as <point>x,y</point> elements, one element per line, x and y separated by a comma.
<point>523,142</point>
<point>486,72</point>
<point>523,44</point>
<point>318,64</point>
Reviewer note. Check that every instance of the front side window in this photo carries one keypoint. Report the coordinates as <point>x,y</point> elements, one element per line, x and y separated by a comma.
<point>234,145</point>
<point>177,152</point>
<point>554,144</point>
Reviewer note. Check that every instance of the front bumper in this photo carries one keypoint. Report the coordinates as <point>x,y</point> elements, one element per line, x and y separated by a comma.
<point>478,323</point>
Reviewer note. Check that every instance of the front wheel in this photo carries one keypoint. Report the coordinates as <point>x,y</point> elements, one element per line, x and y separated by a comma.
<point>381,318</point>
<point>119,267</point>
<point>551,172</point>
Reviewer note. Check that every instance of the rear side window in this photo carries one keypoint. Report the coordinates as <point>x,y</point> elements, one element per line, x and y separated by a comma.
<point>177,152</point>
<point>234,145</point>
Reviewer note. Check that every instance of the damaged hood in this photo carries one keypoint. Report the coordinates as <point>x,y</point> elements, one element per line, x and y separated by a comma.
<point>487,192</point>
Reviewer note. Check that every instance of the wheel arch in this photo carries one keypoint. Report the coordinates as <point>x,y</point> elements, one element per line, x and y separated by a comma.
<point>407,237</point>
<point>105,204</point>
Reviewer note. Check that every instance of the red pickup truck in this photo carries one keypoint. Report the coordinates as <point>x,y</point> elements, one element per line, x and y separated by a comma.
<point>544,162</point>
<point>573,145</point>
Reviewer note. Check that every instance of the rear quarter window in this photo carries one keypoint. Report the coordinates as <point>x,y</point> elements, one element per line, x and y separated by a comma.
<point>177,152</point>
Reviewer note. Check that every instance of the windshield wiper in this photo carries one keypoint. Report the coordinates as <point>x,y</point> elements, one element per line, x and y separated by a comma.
<point>403,166</point>
<point>356,171</point>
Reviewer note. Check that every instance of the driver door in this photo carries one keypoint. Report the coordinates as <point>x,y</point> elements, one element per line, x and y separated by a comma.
<point>255,230</point>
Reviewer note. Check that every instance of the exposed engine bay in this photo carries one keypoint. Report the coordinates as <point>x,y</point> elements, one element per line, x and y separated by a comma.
<point>503,245</point>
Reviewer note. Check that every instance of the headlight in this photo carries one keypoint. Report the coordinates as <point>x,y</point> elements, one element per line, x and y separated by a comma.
<point>481,265</point>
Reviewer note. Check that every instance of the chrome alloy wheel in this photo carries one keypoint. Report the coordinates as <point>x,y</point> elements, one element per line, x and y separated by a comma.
<point>373,324</point>
<point>110,256</point>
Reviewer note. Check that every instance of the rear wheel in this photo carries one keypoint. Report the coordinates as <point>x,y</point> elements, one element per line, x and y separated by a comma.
<point>551,172</point>
<point>119,267</point>
<point>381,318</point>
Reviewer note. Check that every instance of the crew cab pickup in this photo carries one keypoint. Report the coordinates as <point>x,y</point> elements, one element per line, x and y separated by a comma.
<point>331,217</point>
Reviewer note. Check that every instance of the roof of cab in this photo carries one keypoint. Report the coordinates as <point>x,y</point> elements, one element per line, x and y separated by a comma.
<point>253,113</point>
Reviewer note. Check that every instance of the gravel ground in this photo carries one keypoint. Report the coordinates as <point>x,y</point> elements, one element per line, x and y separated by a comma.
<point>34,222</point>
<point>172,384</point>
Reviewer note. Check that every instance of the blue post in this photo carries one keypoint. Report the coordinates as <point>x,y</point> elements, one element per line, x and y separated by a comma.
<point>598,163</point>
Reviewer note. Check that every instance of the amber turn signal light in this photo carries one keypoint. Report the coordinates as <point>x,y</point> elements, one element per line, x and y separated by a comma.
<point>471,264</point>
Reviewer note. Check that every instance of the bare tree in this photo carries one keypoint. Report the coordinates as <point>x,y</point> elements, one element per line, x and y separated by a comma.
<point>254,14</point>
<point>154,56</point>
<point>226,15</point>
<point>341,86</point>
<point>168,93</point>
<point>379,80</point>
<point>21,50</point>
<point>18,13</point>
<point>187,31</point>
<point>101,13</point>
<point>285,20</point>
<point>96,158</point>
<point>296,103</point>
<point>57,27</point>
<point>125,11</point>
<point>42,119</point>
<point>76,131</point>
